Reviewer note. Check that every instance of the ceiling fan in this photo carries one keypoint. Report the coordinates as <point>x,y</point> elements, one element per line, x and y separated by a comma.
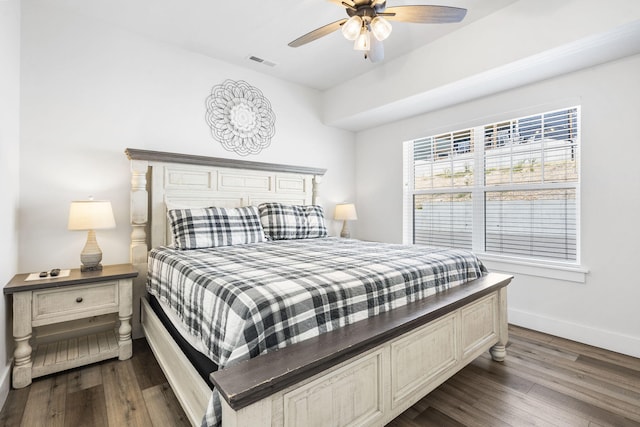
<point>368,23</point>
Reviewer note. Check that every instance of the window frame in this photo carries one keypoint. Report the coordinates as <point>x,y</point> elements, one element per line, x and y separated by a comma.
<point>569,270</point>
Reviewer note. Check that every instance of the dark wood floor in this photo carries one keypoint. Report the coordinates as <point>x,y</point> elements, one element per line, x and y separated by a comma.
<point>113,393</point>
<point>545,381</point>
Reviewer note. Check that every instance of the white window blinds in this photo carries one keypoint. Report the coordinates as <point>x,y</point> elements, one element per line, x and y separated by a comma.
<point>506,188</point>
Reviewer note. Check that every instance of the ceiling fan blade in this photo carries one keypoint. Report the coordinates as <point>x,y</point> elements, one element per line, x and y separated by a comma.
<point>379,5</point>
<point>343,3</point>
<point>317,33</point>
<point>376,52</point>
<point>426,14</point>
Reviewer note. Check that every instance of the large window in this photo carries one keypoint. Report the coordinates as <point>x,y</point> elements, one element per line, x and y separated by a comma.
<point>509,188</point>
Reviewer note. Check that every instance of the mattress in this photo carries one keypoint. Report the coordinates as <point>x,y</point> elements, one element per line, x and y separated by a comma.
<point>244,300</point>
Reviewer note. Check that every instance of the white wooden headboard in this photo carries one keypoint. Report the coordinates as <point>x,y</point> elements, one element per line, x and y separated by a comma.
<point>162,180</point>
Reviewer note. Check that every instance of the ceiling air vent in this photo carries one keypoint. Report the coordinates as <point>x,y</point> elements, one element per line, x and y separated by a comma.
<point>262,61</point>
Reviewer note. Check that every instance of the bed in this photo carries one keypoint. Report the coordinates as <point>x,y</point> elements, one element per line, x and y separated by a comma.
<point>367,369</point>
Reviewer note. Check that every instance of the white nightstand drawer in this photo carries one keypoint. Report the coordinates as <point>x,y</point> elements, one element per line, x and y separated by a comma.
<point>60,305</point>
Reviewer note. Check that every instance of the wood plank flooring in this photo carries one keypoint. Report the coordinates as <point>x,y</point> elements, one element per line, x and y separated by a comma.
<point>112,393</point>
<point>545,381</point>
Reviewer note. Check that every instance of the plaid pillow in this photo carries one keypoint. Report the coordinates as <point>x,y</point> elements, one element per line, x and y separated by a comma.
<point>292,221</point>
<point>200,228</point>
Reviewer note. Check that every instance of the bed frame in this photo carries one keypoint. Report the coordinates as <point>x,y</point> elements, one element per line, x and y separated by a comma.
<point>366,373</point>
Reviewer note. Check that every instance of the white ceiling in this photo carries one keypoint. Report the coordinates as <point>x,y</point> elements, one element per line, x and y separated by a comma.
<point>234,30</point>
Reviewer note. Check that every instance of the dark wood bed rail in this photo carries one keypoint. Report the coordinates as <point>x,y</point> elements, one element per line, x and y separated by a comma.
<point>252,380</point>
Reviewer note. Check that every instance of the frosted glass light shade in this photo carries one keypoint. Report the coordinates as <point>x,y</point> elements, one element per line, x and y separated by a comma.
<point>346,212</point>
<point>381,28</point>
<point>351,28</point>
<point>363,42</point>
<point>91,215</point>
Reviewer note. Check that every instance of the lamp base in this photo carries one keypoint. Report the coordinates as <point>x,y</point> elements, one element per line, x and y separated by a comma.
<point>84,268</point>
<point>91,254</point>
<point>345,233</point>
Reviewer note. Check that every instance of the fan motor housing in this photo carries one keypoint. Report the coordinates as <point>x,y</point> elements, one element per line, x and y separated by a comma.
<point>362,11</point>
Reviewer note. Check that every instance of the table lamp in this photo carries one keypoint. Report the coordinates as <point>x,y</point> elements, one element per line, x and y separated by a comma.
<point>345,212</point>
<point>91,215</point>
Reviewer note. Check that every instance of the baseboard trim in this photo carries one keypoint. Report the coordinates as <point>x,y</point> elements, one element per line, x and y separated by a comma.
<point>5,384</point>
<point>608,340</point>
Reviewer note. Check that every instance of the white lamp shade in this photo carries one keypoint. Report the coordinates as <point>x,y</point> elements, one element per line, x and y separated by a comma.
<point>346,212</point>
<point>91,215</point>
<point>381,28</point>
<point>351,28</point>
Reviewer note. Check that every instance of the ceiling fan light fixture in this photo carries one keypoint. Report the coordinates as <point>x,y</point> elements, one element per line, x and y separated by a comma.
<point>381,28</point>
<point>363,42</point>
<point>365,17</point>
<point>351,28</point>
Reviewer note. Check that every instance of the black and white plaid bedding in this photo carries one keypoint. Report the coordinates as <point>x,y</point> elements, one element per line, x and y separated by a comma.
<point>199,228</point>
<point>241,301</point>
<point>281,222</point>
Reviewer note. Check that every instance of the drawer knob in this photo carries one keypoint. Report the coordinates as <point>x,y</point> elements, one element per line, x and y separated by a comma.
<point>79,299</point>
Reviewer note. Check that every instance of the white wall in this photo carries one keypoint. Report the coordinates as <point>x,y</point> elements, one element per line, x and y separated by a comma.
<point>90,90</point>
<point>9,160</point>
<point>604,310</point>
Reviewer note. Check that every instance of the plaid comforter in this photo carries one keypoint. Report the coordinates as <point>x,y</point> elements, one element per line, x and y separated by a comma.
<point>244,300</point>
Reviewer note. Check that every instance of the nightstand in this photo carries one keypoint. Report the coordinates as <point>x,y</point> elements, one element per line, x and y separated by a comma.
<point>63,300</point>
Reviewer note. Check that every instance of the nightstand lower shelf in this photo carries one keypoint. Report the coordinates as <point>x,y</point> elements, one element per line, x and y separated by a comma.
<point>74,352</point>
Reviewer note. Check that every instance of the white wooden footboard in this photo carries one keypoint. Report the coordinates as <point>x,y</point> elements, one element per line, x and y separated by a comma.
<point>369,388</point>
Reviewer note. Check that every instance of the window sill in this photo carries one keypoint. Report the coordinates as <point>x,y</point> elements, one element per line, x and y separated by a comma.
<point>551,270</point>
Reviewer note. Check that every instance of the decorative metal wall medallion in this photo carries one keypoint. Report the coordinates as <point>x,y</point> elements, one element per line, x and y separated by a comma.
<point>240,117</point>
